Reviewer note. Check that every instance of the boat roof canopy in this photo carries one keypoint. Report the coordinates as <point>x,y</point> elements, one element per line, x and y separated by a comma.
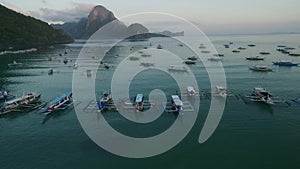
<point>139,98</point>
<point>177,100</point>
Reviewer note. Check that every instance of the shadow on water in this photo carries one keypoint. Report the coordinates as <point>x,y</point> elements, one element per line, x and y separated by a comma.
<point>57,114</point>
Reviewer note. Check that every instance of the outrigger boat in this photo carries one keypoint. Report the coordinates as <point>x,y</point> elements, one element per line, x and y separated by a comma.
<point>255,58</point>
<point>105,102</point>
<point>261,68</point>
<point>26,101</point>
<point>287,63</point>
<point>190,62</point>
<point>59,103</point>
<point>14,64</point>
<point>221,91</point>
<point>139,102</point>
<point>261,95</point>
<point>177,104</point>
<point>3,94</point>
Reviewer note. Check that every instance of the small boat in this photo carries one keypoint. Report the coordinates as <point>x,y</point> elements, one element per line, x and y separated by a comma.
<point>226,46</point>
<point>189,62</point>
<point>193,58</point>
<point>50,71</point>
<point>205,51</point>
<point>177,104</point>
<point>218,55</point>
<point>264,53</point>
<point>181,45</point>
<point>145,55</point>
<point>261,95</point>
<point>3,94</point>
<point>202,47</point>
<point>261,68</point>
<point>23,102</point>
<point>65,60</point>
<point>146,64</point>
<point>59,103</point>
<point>191,91</point>
<point>251,45</point>
<point>134,58</point>
<point>281,46</point>
<point>105,101</point>
<point>242,48</point>
<point>231,43</point>
<point>287,63</point>
<point>255,58</point>
<point>294,54</point>
<point>289,48</point>
<point>159,46</point>
<point>177,68</point>
<point>221,91</point>
<point>214,58</point>
<point>139,102</point>
<point>88,73</point>
<point>14,64</point>
<point>236,51</point>
<point>75,66</point>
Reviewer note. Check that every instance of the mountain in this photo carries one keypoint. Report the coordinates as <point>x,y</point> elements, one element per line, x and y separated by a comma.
<point>18,31</point>
<point>96,19</point>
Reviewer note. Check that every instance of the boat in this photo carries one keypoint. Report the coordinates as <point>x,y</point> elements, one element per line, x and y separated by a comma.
<point>255,58</point>
<point>134,58</point>
<point>177,68</point>
<point>251,45</point>
<point>193,58</point>
<point>159,46</point>
<point>289,48</point>
<point>205,51</point>
<point>261,95</point>
<point>221,91</point>
<point>189,62</point>
<point>226,46</point>
<point>59,103</point>
<point>242,48</point>
<point>294,54</point>
<point>145,55</point>
<point>264,53</point>
<point>88,73</point>
<point>65,60</point>
<point>236,51</point>
<point>218,55</point>
<point>14,64</point>
<point>139,102</point>
<point>260,68</point>
<point>214,58</point>
<point>50,71</point>
<point>287,63</point>
<point>23,102</point>
<point>146,64</point>
<point>191,91</point>
<point>181,45</point>
<point>105,100</point>
<point>177,104</point>
<point>75,66</point>
<point>3,94</point>
<point>202,47</point>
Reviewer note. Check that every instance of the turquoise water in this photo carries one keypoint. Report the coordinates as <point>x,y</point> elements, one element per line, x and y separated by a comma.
<point>248,136</point>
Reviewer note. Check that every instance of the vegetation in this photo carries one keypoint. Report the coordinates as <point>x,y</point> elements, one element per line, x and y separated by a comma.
<point>18,31</point>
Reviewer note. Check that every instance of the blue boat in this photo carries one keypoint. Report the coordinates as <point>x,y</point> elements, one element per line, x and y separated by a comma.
<point>105,100</point>
<point>3,93</point>
<point>139,102</point>
<point>288,63</point>
<point>59,103</point>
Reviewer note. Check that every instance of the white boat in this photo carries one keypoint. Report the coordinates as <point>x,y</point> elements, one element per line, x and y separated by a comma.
<point>177,68</point>
<point>221,91</point>
<point>214,58</point>
<point>191,91</point>
<point>75,66</point>
<point>261,95</point>
<point>17,104</point>
<point>177,104</point>
<point>14,64</point>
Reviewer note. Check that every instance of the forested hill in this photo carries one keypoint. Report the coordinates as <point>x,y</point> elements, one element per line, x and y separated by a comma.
<point>18,31</point>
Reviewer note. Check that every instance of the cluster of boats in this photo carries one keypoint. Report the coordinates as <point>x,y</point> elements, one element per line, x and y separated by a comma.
<point>32,101</point>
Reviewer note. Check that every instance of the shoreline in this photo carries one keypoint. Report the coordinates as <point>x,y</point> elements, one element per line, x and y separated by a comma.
<point>18,51</point>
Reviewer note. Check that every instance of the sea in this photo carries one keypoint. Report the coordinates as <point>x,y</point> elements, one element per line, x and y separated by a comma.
<point>249,135</point>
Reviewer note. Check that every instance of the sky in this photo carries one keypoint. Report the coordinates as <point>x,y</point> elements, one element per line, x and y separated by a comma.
<point>212,16</point>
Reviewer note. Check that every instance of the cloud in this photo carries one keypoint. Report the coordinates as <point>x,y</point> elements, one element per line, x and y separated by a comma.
<point>14,8</point>
<point>77,11</point>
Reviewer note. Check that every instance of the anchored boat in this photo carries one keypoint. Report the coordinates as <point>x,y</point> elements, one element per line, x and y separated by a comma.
<point>288,63</point>
<point>261,95</point>
<point>59,103</point>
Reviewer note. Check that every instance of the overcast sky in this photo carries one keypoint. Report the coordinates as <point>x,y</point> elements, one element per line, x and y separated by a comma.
<point>212,16</point>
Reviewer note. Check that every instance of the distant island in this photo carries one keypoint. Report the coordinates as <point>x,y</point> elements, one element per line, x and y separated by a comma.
<point>100,16</point>
<point>19,32</point>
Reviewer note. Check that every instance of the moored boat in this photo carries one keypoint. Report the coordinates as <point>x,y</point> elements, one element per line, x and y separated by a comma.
<point>139,102</point>
<point>261,68</point>
<point>264,53</point>
<point>3,93</point>
<point>221,91</point>
<point>14,64</point>
<point>255,58</point>
<point>59,103</point>
<point>17,104</point>
<point>193,58</point>
<point>189,62</point>
<point>261,95</point>
<point>177,104</point>
<point>287,63</point>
